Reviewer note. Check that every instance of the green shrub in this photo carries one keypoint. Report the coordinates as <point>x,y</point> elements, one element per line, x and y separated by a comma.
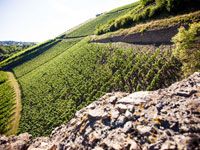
<point>153,11</point>
<point>146,2</point>
<point>160,4</point>
<point>3,77</point>
<point>98,30</point>
<point>188,48</point>
<point>123,22</point>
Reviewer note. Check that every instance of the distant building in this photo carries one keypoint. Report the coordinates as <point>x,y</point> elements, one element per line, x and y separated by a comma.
<point>97,15</point>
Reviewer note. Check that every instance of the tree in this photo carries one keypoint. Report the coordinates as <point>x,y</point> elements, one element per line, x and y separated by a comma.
<point>188,48</point>
<point>146,2</point>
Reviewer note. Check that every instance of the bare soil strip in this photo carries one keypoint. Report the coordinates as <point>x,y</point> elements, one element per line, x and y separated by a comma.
<point>17,115</point>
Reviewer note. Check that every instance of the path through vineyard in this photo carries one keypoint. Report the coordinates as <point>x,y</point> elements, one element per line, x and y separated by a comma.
<point>15,122</point>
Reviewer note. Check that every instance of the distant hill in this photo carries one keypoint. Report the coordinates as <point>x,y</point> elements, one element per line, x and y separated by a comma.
<point>16,43</point>
<point>9,48</point>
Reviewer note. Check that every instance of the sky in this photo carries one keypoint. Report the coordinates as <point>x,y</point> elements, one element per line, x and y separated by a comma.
<point>40,20</point>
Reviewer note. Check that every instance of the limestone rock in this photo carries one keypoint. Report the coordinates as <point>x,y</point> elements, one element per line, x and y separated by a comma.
<point>95,113</point>
<point>135,98</point>
<point>21,142</point>
<point>143,129</point>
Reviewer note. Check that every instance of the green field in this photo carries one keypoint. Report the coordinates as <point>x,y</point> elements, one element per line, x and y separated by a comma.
<point>6,103</point>
<point>53,91</point>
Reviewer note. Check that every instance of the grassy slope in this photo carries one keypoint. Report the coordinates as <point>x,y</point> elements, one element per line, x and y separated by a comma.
<point>89,28</point>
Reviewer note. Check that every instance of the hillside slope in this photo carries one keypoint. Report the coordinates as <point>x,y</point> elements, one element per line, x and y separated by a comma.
<point>88,28</point>
<point>55,90</point>
<point>163,119</point>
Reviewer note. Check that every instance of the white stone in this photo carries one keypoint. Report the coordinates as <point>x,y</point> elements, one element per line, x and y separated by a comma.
<point>114,114</point>
<point>128,115</point>
<point>143,129</point>
<point>95,113</point>
<point>122,108</point>
<point>128,125</point>
<point>135,98</point>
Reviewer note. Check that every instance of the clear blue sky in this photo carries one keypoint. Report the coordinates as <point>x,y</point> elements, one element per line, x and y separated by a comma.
<point>40,20</point>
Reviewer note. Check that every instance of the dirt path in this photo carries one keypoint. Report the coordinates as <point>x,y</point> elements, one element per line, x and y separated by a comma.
<point>72,38</point>
<point>15,122</point>
<point>151,47</point>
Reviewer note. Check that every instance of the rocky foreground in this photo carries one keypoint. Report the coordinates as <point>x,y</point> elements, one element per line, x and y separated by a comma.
<point>157,120</point>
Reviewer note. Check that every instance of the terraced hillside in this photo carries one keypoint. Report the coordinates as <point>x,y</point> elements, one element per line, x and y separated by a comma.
<point>63,75</point>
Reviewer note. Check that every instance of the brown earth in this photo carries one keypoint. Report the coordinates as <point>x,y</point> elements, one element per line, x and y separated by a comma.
<point>136,47</point>
<point>156,37</point>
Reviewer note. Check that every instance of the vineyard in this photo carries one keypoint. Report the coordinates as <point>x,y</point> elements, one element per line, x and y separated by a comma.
<point>54,91</point>
<point>7,103</point>
<point>45,57</point>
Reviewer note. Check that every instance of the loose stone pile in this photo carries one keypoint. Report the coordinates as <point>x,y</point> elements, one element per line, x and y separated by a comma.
<point>157,120</point>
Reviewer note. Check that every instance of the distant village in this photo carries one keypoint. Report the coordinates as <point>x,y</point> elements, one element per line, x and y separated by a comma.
<point>15,43</point>
<point>97,15</point>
